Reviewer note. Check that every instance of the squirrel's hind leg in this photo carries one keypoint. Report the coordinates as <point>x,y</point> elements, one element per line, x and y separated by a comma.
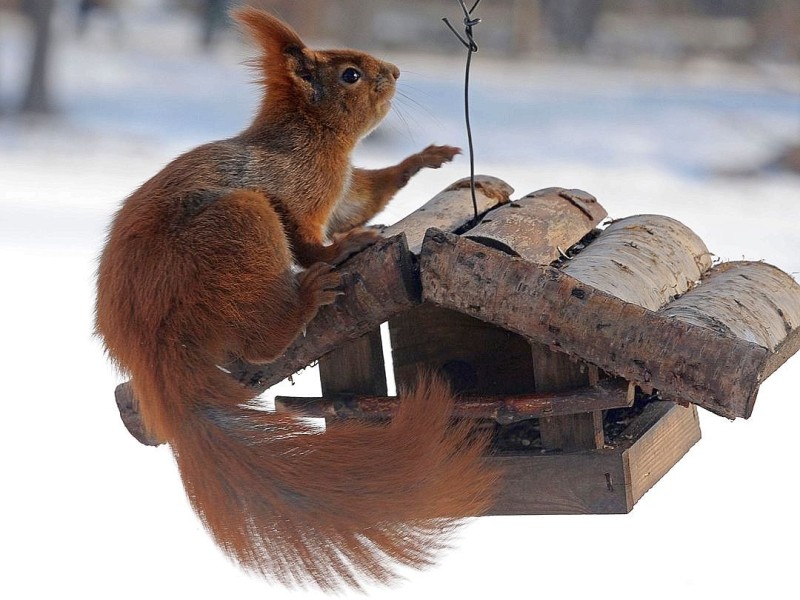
<point>269,337</point>
<point>247,280</point>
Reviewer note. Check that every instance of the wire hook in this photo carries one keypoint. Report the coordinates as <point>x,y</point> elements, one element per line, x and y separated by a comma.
<point>472,47</point>
<point>469,23</point>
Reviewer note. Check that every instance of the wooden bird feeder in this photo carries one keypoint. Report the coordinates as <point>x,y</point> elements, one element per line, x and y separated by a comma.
<point>586,350</point>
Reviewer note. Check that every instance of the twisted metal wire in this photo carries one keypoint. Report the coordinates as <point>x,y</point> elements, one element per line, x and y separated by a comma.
<point>469,43</point>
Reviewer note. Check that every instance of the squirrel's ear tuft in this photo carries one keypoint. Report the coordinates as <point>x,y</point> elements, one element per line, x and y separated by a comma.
<point>267,31</point>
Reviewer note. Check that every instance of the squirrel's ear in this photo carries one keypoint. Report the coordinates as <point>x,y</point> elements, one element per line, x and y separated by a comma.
<point>303,70</point>
<point>273,35</point>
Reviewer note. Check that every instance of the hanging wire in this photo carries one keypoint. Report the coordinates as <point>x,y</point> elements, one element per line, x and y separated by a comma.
<point>472,47</point>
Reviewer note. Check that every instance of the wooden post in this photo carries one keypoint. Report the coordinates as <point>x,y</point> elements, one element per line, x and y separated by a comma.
<point>356,367</point>
<point>555,372</point>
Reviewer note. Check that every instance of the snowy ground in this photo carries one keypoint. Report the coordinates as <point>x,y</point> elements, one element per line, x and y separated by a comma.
<point>88,512</point>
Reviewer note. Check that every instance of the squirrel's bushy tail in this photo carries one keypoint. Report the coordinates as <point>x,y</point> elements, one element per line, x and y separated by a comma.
<point>334,508</point>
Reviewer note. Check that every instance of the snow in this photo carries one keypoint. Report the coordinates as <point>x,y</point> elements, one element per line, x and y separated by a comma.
<point>87,511</point>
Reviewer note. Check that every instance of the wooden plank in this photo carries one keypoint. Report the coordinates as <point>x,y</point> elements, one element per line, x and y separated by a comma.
<point>503,409</point>
<point>646,259</point>
<point>548,306</point>
<point>541,225</point>
<point>356,367</point>
<point>590,482</point>
<point>662,435</point>
<point>605,481</point>
<point>451,209</point>
<point>476,357</point>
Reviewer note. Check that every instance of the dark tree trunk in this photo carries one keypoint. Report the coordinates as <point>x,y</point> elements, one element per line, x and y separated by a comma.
<point>37,97</point>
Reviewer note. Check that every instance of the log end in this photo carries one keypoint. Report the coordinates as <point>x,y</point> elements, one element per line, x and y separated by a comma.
<point>489,186</point>
<point>131,418</point>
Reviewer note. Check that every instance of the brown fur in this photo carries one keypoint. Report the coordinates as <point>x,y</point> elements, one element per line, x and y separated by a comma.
<point>198,268</point>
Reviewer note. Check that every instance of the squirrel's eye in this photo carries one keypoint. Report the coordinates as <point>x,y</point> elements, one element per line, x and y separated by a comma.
<point>351,75</point>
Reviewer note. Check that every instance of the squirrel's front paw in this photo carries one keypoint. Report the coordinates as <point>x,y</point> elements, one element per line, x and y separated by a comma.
<point>434,157</point>
<point>353,241</point>
<point>319,284</point>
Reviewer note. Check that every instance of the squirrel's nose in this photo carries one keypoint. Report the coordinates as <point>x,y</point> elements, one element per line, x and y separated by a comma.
<point>394,71</point>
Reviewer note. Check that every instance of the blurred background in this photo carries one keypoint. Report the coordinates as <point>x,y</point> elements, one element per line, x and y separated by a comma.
<point>746,31</point>
<point>581,92</point>
<point>689,108</point>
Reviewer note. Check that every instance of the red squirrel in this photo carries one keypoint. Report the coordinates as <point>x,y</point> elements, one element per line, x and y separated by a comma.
<point>201,266</point>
